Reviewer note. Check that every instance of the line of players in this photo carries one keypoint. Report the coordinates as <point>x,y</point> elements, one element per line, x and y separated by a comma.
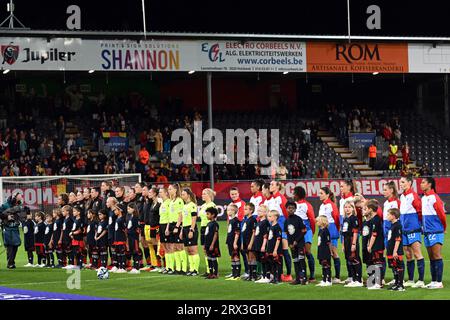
<point>397,228</point>
<point>165,222</point>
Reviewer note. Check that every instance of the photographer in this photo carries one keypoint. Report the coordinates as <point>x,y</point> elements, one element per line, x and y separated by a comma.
<point>10,223</point>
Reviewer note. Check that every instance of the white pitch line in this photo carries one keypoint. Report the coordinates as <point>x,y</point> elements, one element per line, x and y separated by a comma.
<point>62,281</point>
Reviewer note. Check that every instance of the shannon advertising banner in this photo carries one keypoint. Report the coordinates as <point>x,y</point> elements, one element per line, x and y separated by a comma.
<point>103,55</point>
<point>357,57</point>
<point>426,58</point>
<point>260,56</point>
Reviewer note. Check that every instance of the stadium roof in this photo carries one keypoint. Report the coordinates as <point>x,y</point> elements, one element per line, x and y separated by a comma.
<point>205,35</point>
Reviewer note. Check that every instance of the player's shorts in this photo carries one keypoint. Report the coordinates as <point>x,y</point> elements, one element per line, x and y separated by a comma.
<point>430,239</point>
<point>174,237</point>
<point>233,253</point>
<point>190,242</point>
<point>215,253</point>
<point>410,238</point>
<point>308,236</point>
<point>284,235</point>
<point>154,232</point>
<point>29,246</point>
<point>376,257</point>
<point>334,242</point>
<point>162,235</point>
<point>202,235</point>
<point>39,247</point>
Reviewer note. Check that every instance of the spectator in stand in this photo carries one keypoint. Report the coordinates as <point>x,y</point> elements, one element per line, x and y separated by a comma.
<point>158,142</point>
<point>387,132</point>
<point>397,136</point>
<point>282,172</point>
<point>425,171</point>
<point>393,149</point>
<point>372,155</point>
<point>356,124</point>
<point>79,142</point>
<point>296,151</point>
<point>405,154</point>
<point>70,144</point>
<point>144,157</point>
<point>161,178</point>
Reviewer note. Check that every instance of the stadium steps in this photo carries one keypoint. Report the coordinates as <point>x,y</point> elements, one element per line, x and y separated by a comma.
<point>347,154</point>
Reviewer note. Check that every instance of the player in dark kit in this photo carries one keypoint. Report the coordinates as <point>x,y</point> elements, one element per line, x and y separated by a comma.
<point>212,243</point>
<point>120,238</point>
<point>111,203</point>
<point>90,239</point>
<point>324,251</point>
<point>101,237</point>
<point>28,237</point>
<point>395,250</point>
<point>350,232</point>
<point>274,251</point>
<point>39,234</point>
<point>260,242</point>
<point>77,235</point>
<point>296,230</point>
<point>375,244</point>
<point>65,242</point>
<point>234,241</point>
<point>133,234</point>
<point>248,236</point>
<point>57,229</point>
<point>48,241</point>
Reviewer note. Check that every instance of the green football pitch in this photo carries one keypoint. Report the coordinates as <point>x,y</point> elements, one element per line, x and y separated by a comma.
<point>176,287</point>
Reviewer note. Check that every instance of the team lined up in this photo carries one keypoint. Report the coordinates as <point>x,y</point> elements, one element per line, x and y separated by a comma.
<point>164,223</point>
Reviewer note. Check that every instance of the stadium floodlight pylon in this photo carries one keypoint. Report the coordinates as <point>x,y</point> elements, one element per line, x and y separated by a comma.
<point>41,192</point>
<point>11,17</point>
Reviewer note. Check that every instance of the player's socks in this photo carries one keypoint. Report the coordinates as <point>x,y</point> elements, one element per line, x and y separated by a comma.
<point>357,275</point>
<point>350,269</point>
<point>302,267</point>
<point>400,277</point>
<point>233,269</point>
<point>421,268</point>
<point>30,257</point>
<point>170,261</point>
<point>288,261</point>
<point>177,256</point>
<point>258,267</point>
<point>238,268</point>
<point>439,267</point>
<point>210,266</point>
<point>147,255</point>
<point>383,268</point>
<point>207,265</point>
<point>337,267</point>
<point>136,260</point>
<point>411,266</point>
<point>264,269</point>
<point>183,260</point>
<point>103,259</point>
<point>244,258</point>
<point>215,266</point>
<point>191,263</point>
<point>311,265</point>
<point>196,262</point>
<point>433,270</point>
<point>327,274</point>
<point>297,268</point>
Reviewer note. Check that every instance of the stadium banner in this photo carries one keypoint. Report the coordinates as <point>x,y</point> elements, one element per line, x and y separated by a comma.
<point>360,139</point>
<point>260,56</point>
<point>424,57</point>
<point>127,55</point>
<point>116,141</point>
<point>39,196</point>
<point>357,57</point>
